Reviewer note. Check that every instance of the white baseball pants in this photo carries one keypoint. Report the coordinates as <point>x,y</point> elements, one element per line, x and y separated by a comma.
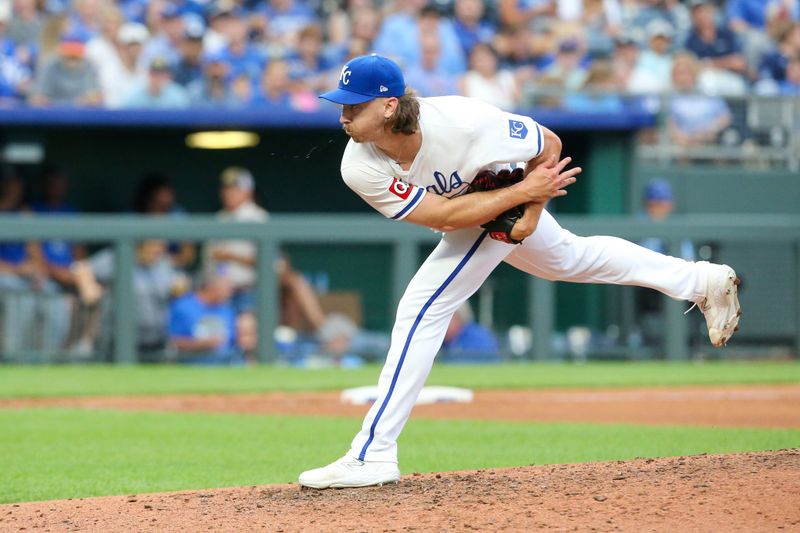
<point>457,268</point>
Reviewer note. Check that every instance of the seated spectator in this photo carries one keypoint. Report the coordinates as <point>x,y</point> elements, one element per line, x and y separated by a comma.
<point>467,341</point>
<point>400,36</point>
<point>189,67</point>
<point>286,19</point>
<point>717,47</point>
<point>155,196</point>
<point>640,14</point>
<point>68,78</point>
<point>277,91</point>
<point>236,259</point>
<point>470,25</point>
<point>536,13</point>
<point>569,65</point>
<point>212,88</point>
<point>694,119</point>
<point>26,22</point>
<point>791,85</point>
<point>597,22</point>
<point>159,91</point>
<point>167,25</point>
<point>155,282</point>
<point>242,91</point>
<point>524,53</point>
<point>653,71</point>
<point>308,65</point>
<point>429,78</point>
<point>485,82</point>
<point>624,60</point>
<point>600,92</point>
<point>748,19</point>
<point>202,325</point>
<point>238,52</point>
<point>117,62</point>
<point>772,67</point>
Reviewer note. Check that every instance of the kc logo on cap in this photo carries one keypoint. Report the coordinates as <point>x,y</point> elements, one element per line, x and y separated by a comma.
<point>365,78</point>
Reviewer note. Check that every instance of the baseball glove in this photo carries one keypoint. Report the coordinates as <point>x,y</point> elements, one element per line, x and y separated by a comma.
<point>486,180</point>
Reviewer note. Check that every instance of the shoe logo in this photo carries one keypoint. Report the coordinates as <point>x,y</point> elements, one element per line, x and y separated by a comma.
<point>355,463</point>
<point>383,89</point>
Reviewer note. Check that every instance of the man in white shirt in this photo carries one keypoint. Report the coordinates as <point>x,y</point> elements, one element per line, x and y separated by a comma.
<point>236,259</point>
<point>412,159</point>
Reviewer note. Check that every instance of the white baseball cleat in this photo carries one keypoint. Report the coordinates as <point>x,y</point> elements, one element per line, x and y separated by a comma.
<point>721,304</point>
<point>349,472</point>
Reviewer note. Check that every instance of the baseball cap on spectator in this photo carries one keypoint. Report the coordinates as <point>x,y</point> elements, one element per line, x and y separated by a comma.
<point>238,177</point>
<point>132,32</point>
<point>365,78</point>
<point>159,64</point>
<point>170,11</point>
<point>625,39</point>
<point>660,28</point>
<point>697,3</point>
<point>658,190</point>
<point>568,46</point>
<point>73,43</point>
<point>194,29</point>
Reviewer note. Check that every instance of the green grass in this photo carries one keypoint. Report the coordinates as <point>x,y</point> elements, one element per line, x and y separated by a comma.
<point>63,453</point>
<point>39,381</point>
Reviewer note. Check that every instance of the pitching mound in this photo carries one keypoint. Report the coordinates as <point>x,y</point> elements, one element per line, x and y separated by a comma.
<point>740,492</point>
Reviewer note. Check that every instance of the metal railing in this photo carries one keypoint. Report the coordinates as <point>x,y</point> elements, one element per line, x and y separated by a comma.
<point>405,239</point>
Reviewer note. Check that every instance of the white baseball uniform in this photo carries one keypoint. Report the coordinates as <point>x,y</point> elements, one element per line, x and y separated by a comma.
<point>460,137</point>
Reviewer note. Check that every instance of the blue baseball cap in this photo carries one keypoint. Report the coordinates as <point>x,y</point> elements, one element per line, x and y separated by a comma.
<point>365,78</point>
<point>658,190</point>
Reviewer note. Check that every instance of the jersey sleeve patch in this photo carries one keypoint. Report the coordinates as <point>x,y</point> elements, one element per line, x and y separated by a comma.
<point>400,189</point>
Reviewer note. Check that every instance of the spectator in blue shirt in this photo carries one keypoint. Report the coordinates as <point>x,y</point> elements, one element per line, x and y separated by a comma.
<point>189,67</point>
<point>400,33</point>
<point>773,64</point>
<point>213,88</point>
<point>429,78</point>
<point>159,92</point>
<point>694,119</point>
<point>749,20</point>
<point>169,32</point>
<point>202,325</point>
<point>467,341</point>
<point>715,45</point>
<point>470,26</point>
<point>791,85</point>
<point>239,53</point>
<point>308,64</point>
<point>286,19</point>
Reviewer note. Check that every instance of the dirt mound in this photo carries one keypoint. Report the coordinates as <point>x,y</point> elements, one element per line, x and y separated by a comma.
<point>741,492</point>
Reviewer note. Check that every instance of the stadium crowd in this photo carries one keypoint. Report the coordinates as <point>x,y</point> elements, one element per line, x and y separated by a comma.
<point>281,53</point>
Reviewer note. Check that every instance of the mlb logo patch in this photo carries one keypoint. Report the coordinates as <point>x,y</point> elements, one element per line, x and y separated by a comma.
<point>517,129</point>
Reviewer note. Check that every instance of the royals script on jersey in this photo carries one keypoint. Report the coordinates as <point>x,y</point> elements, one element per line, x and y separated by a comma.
<point>460,137</point>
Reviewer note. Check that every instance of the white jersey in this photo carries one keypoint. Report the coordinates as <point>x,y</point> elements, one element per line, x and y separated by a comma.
<point>460,137</point>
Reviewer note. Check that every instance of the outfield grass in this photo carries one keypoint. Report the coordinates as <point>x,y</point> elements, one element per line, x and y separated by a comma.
<point>64,453</point>
<point>39,381</point>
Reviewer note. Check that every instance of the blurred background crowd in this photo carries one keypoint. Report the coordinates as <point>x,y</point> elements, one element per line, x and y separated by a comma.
<point>281,53</point>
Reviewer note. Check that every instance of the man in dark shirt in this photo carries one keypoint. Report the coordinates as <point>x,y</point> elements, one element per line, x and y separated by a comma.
<point>716,45</point>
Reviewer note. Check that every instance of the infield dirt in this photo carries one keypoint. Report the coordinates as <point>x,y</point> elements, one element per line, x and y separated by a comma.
<point>738,492</point>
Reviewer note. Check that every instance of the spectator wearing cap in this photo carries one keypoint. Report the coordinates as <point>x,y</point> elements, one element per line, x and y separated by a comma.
<point>158,91</point>
<point>68,78</point>
<point>719,50</point>
<point>485,81</point>
<point>625,57</point>
<point>429,78</point>
<point>569,66</point>
<point>168,25</point>
<point>116,55</point>
<point>470,25</point>
<point>236,259</point>
<point>653,71</point>
<point>694,119</point>
<point>467,341</point>
<point>213,88</point>
<point>643,12</point>
<point>400,36</point>
<point>189,67</point>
